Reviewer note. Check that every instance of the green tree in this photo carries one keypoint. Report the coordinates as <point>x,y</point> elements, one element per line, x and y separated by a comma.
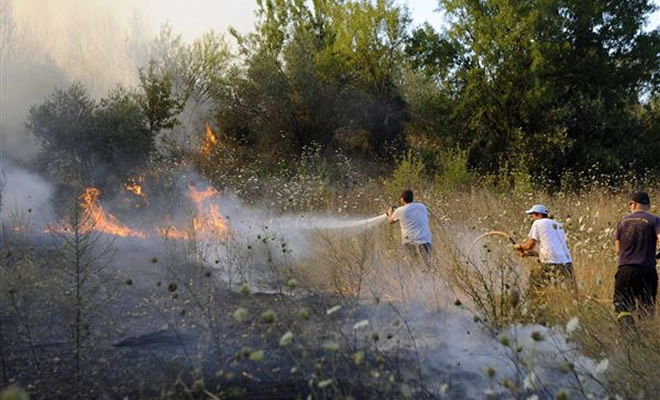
<point>88,142</point>
<point>157,102</point>
<point>543,85</point>
<point>311,70</point>
<point>62,126</point>
<point>121,138</point>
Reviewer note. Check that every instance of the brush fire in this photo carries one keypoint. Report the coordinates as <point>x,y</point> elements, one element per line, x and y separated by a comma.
<point>207,223</point>
<point>209,141</point>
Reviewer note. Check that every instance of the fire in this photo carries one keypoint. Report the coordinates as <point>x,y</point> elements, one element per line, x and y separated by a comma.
<point>170,231</point>
<point>208,221</point>
<point>134,185</point>
<point>209,141</point>
<point>102,222</point>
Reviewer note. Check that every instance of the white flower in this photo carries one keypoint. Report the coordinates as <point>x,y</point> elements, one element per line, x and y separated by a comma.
<point>331,346</point>
<point>602,366</point>
<point>530,381</point>
<point>533,397</point>
<point>443,388</point>
<point>333,310</point>
<point>286,339</point>
<point>362,324</point>
<point>325,383</point>
<point>572,325</point>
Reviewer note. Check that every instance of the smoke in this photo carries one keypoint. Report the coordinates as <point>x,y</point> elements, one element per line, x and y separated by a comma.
<point>50,44</point>
<point>453,350</point>
<point>25,200</point>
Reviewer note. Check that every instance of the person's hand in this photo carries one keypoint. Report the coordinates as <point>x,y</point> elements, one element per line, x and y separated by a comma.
<point>518,249</point>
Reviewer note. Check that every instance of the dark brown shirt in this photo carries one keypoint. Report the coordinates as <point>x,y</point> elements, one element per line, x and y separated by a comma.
<point>637,234</point>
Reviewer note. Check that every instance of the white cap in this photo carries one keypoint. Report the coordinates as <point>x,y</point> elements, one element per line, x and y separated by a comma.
<point>537,208</point>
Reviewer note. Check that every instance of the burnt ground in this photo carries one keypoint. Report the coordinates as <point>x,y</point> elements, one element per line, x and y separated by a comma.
<point>169,329</point>
<point>140,353</point>
<point>180,332</point>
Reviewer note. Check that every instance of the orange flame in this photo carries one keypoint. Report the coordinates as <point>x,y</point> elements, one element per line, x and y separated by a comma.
<point>134,186</point>
<point>209,141</point>
<point>208,221</point>
<point>102,222</point>
<point>170,231</point>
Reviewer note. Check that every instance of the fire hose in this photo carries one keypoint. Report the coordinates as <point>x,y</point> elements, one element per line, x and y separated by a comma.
<point>495,233</point>
<point>507,236</point>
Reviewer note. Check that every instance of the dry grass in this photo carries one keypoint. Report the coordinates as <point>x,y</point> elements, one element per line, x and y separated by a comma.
<point>487,278</point>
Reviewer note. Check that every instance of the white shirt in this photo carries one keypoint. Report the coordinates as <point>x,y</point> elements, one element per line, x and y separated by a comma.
<point>414,220</point>
<point>551,239</point>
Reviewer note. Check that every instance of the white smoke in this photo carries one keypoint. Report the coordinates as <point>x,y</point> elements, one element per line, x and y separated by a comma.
<point>25,200</point>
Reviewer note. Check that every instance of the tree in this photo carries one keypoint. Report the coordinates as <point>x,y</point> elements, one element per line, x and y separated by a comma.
<point>122,138</point>
<point>87,142</point>
<point>81,272</point>
<point>157,101</point>
<point>312,70</point>
<point>545,85</point>
<point>62,126</point>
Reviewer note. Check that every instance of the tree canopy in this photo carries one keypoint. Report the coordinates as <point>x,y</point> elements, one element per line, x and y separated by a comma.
<point>544,87</point>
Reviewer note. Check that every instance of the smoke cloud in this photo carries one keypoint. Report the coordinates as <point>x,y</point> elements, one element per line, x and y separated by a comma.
<point>50,44</point>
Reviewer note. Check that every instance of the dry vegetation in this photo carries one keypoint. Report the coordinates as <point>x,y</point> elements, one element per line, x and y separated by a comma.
<point>355,316</point>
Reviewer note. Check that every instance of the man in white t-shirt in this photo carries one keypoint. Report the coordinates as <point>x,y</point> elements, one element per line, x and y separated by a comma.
<point>414,220</point>
<point>547,239</point>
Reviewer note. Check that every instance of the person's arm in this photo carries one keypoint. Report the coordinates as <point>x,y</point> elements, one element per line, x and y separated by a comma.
<point>617,238</point>
<point>525,248</point>
<point>390,216</point>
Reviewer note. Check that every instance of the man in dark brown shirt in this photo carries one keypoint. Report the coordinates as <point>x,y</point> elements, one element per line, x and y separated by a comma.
<point>636,280</point>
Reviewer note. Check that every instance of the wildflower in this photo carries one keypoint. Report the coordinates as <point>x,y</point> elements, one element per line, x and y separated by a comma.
<point>361,324</point>
<point>572,325</point>
<point>490,371</point>
<point>333,310</point>
<point>531,381</point>
<point>331,346</point>
<point>286,339</point>
<point>358,357</point>
<point>325,383</point>
<point>565,367</point>
<point>443,388</point>
<point>197,386</point>
<point>240,314</point>
<point>602,366</point>
<point>268,316</point>
<point>257,356</point>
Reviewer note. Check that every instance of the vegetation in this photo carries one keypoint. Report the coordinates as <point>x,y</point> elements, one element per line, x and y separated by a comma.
<point>336,106</point>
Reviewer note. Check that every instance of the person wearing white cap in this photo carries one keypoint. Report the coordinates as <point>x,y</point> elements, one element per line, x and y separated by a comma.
<point>547,239</point>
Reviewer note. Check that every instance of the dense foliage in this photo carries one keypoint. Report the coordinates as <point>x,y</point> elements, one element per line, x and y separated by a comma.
<point>546,88</point>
